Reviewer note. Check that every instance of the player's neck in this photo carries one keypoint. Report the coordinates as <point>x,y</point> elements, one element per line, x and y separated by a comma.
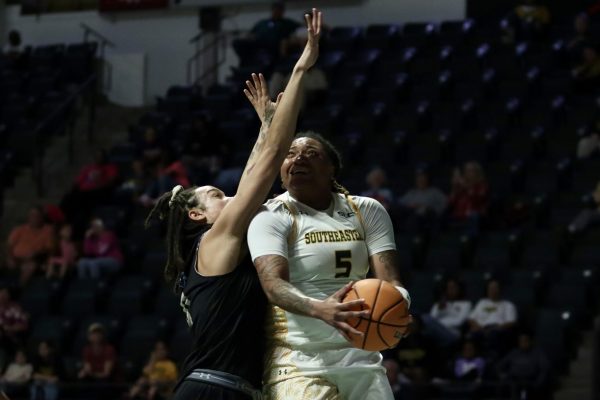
<point>317,200</point>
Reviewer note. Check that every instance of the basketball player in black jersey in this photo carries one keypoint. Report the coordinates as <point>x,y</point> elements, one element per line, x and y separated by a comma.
<point>207,253</point>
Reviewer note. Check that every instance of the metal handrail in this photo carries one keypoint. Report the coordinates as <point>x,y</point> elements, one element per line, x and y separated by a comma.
<point>38,168</point>
<point>89,30</point>
<point>220,39</point>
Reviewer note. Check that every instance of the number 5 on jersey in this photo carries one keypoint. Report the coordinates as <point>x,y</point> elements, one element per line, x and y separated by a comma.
<point>343,263</point>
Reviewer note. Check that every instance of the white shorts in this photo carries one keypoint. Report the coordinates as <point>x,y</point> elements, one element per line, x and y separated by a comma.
<point>341,374</point>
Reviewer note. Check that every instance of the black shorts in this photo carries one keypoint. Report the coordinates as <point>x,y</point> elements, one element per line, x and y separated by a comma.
<point>190,390</point>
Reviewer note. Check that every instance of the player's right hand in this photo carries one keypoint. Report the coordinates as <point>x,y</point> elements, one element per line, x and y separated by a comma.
<point>258,95</point>
<point>311,50</point>
<point>335,313</point>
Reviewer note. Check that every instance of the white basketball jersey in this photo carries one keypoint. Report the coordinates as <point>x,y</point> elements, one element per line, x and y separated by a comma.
<point>325,250</point>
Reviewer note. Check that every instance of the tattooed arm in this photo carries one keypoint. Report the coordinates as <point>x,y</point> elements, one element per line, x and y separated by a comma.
<point>273,272</point>
<point>386,267</point>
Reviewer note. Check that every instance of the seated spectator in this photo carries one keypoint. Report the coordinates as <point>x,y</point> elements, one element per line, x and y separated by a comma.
<point>493,319</point>
<point>315,80</point>
<point>469,366</point>
<point>589,145</point>
<point>166,174</point>
<point>377,182</point>
<point>528,21</point>
<point>525,369</point>
<point>589,216</point>
<point>391,371</point>
<point>14,48</point>
<point>580,38</point>
<point>29,245</point>
<point>586,74</point>
<point>13,320</point>
<point>424,204</point>
<point>159,376</point>
<point>93,186</point>
<point>270,33</point>
<point>469,196</point>
<point>15,379</point>
<point>149,149</point>
<point>99,356</point>
<point>47,373</point>
<point>101,252</point>
<point>134,183</point>
<point>449,314</point>
<point>65,254</point>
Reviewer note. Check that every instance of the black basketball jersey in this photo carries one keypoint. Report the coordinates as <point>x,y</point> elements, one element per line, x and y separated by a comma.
<point>226,315</point>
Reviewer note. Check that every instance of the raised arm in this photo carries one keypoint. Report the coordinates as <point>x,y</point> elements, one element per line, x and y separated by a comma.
<point>273,143</point>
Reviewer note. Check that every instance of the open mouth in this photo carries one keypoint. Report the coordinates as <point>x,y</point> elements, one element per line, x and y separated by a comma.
<point>298,172</point>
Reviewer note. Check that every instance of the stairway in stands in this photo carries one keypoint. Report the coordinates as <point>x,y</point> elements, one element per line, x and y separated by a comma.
<point>110,128</point>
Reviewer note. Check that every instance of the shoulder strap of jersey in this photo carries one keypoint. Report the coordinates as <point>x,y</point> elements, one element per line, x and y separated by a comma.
<point>354,207</point>
<point>293,213</point>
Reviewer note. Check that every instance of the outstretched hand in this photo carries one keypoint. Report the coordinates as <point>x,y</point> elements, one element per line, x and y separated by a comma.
<point>258,95</point>
<point>335,313</point>
<point>311,50</point>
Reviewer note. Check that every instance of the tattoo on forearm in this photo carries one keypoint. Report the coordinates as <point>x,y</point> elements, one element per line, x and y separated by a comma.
<point>264,128</point>
<point>268,116</point>
<point>281,292</point>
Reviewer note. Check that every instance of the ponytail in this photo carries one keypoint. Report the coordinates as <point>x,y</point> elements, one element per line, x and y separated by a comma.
<point>173,206</point>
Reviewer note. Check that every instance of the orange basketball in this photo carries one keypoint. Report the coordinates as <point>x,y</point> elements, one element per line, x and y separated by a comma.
<point>389,317</point>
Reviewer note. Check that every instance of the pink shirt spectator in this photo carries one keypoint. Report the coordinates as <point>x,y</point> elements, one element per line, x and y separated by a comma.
<point>104,244</point>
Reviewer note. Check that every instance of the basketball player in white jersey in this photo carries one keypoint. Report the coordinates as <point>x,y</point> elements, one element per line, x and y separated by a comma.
<point>306,244</point>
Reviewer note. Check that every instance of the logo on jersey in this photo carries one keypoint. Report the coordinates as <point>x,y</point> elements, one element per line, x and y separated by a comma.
<point>345,214</point>
<point>347,235</point>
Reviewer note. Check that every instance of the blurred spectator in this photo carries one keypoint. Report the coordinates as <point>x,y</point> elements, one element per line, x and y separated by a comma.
<point>469,366</point>
<point>589,216</point>
<point>391,371</point>
<point>133,183</point>
<point>101,252</point>
<point>315,81</point>
<point>149,149</point>
<point>29,245</point>
<point>527,21</point>
<point>13,320</point>
<point>65,256</point>
<point>415,354</point>
<point>378,190</point>
<point>99,357</point>
<point>166,174</point>
<point>589,145</point>
<point>581,38</point>
<point>14,48</point>
<point>586,74</point>
<point>47,373</point>
<point>492,319</point>
<point>159,376</point>
<point>271,33</point>
<point>7,348</point>
<point>16,377</point>
<point>92,187</point>
<point>449,313</point>
<point>469,196</point>
<point>424,204</point>
<point>526,370</point>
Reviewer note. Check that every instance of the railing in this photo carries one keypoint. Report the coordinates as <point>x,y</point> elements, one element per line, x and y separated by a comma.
<point>104,42</point>
<point>47,127</point>
<point>199,66</point>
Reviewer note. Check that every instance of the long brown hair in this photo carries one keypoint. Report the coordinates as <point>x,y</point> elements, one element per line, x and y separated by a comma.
<point>181,230</point>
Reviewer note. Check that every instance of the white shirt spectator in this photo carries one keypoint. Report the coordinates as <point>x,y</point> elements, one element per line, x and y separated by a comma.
<point>453,315</point>
<point>488,312</point>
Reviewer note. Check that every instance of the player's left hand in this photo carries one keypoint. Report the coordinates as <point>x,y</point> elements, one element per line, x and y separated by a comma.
<point>258,95</point>
<point>311,50</point>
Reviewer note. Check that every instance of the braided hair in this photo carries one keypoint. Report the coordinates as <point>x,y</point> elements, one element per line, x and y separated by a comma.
<point>173,206</point>
<point>334,156</point>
